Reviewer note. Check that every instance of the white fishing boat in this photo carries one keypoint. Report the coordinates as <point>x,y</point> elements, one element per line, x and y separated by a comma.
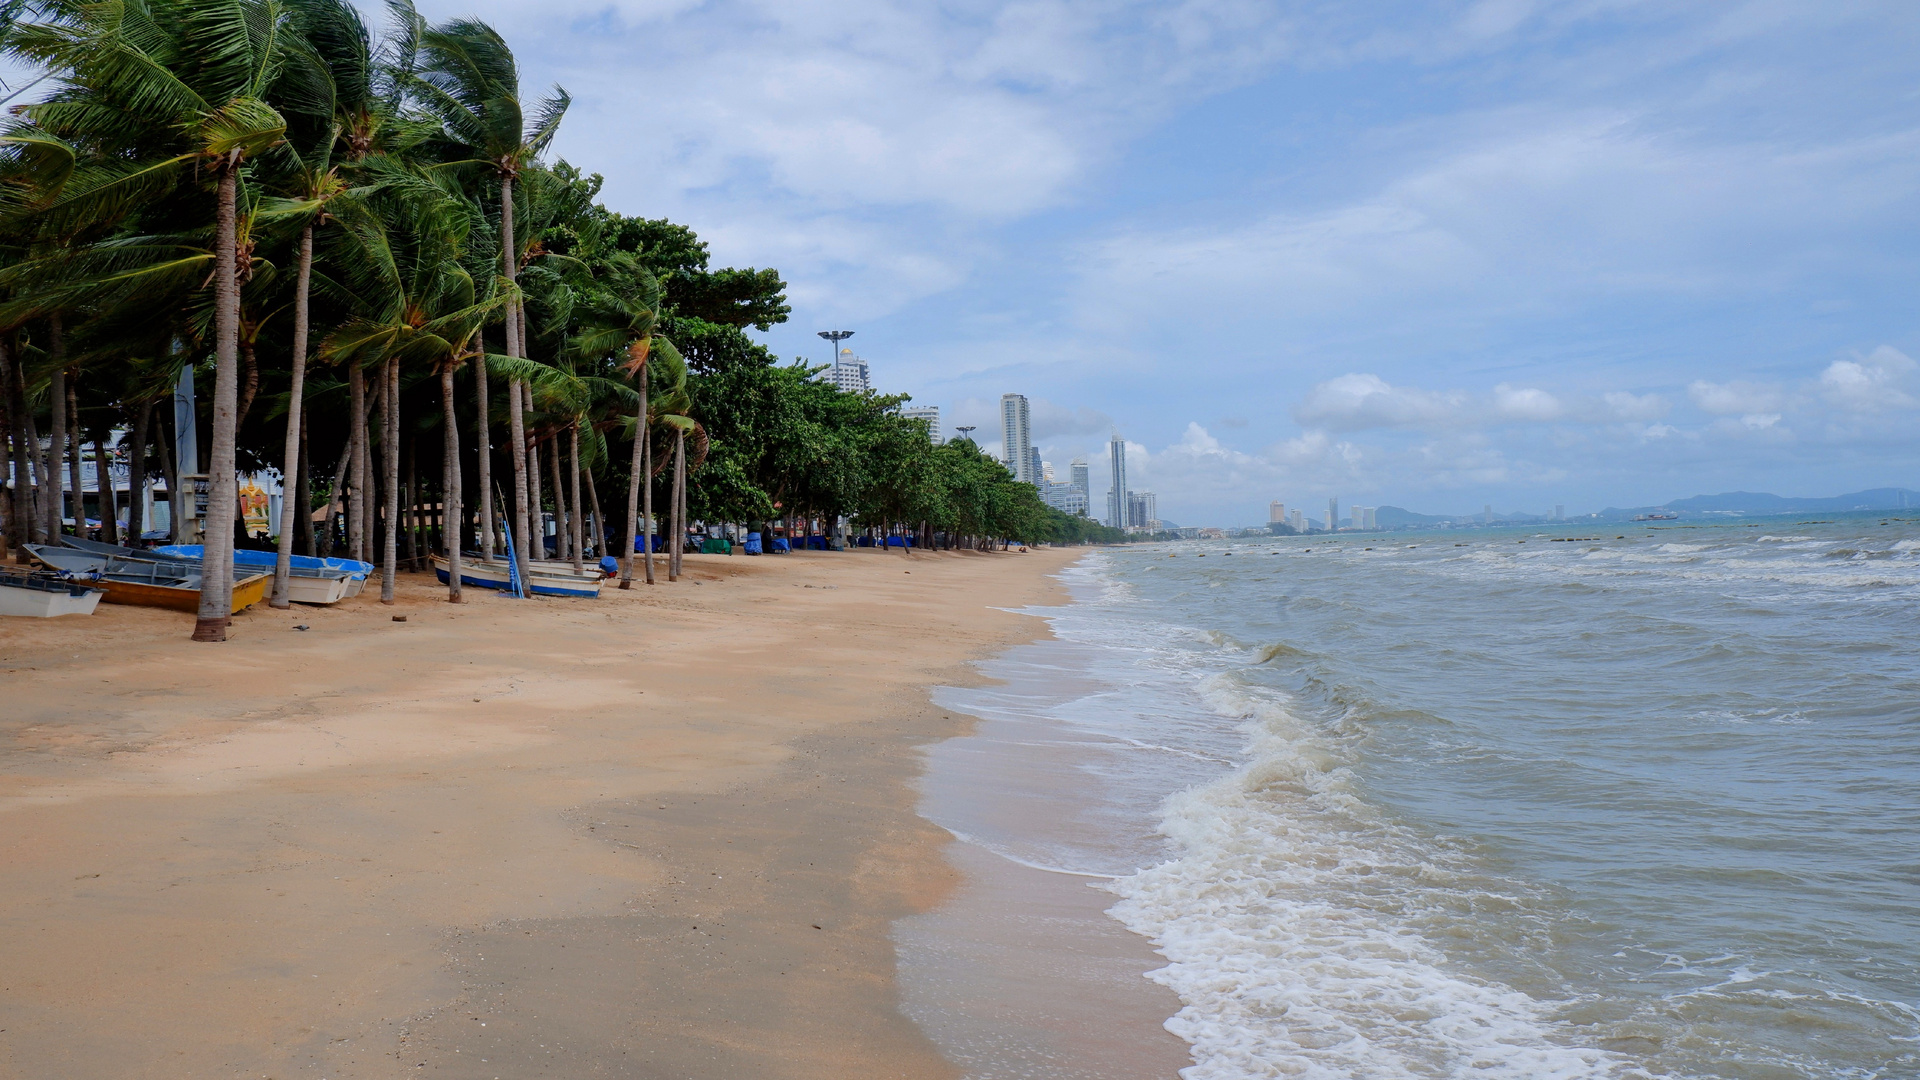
<point>309,580</point>
<point>43,596</point>
<point>544,578</point>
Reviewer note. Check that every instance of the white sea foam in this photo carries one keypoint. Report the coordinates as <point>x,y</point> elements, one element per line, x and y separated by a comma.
<point>1283,969</point>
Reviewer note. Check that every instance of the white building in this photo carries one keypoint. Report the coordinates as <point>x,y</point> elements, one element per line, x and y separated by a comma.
<point>1333,514</point>
<point>929,413</point>
<point>1366,517</point>
<point>1276,512</point>
<point>1117,494</point>
<point>849,373</point>
<point>1298,519</point>
<point>1143,511</point>
<point>1016,437</point>
<point>1077,476</point>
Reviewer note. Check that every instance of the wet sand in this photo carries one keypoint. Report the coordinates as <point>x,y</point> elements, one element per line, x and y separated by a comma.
<point>662,834</point>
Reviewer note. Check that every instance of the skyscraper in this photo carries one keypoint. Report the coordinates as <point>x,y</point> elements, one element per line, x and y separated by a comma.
<point>1143,510</point>
<point>1333,514</point>
<point>849,373</point>
<point>1077,476</point>
<point>1298,520</point>
<point>1276,511</point>
<point>1117,495</point>
<point>1036,469</point>
<point>1016,437</point>
<point>1559,512</point>
<point>929,413</point>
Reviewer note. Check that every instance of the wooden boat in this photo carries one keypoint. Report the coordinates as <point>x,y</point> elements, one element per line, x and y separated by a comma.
<point>95,547</point>
<point>44,596</point>
<point>148,582</point>
<point>309,580</point>
<point>544,578</point>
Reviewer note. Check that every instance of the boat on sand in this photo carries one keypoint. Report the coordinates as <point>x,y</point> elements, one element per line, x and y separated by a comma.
<point>165,583</point>
<point>45,596</point>
<point>544,578</point>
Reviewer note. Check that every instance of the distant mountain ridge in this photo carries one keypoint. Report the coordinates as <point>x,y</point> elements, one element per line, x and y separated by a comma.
<point>1725,504</point>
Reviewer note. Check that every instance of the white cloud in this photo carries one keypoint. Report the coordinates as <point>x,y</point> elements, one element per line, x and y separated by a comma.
<point>1525,403</point>
<point>1875,383</point>
<point>1737,396</point>
<point>1624,406</point>
<point>1357,401</point>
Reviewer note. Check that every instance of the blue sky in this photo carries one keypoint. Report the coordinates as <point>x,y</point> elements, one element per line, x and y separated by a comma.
<point>1437,255</point>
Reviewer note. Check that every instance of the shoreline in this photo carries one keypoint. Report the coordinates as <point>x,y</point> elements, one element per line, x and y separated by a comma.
<point>471,845</point>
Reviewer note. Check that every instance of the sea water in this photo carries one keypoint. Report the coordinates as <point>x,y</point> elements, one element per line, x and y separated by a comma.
<point>1578,801</point>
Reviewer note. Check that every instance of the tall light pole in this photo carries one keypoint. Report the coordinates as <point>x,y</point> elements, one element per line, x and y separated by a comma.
<point>966,431</point>
<point>836,336</point>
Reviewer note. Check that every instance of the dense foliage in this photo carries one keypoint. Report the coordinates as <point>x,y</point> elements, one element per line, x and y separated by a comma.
<point>353,242</point>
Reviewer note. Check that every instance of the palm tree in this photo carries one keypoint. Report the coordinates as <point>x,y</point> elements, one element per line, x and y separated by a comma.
<point>398,266</point>
<point>466,81</point>
<point>149,89</point>
<point>622,319</point>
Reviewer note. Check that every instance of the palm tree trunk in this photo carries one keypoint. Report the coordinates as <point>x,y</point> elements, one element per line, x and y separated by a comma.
<point>597,524</point>
<point>57,435</point>
<point>390,440</point>
<point>575,521</point>
<point>76,456</point>
<point>646,472</point>
<point>450,485</point>
<point>538,537</point>
<point>216,589</point>
<point>636,515</point>
<point>517,430</point>
<point>303,492</point>
<point>678,514</point>
<point>103,480</point>
<point>356,461</point>
<point>483,432</point>
<point>137,472</point>
<point>516,417</point>
<point>292,482</point>
<point>410,517</point>
<point>560,523</point>
<point>19,502</point>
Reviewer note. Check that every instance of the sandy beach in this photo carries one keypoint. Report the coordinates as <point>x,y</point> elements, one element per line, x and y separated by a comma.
<point>661,834</point>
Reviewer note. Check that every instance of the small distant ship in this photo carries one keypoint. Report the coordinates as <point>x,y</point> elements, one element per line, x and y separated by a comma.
<point>1658,517</point>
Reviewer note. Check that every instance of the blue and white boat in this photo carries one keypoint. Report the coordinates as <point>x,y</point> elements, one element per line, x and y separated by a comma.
<point>310,580</point>
<point>544,578</point>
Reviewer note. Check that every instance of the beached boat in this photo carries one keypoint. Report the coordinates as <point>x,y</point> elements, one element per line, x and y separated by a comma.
<point>166,583</point>
<point>97,548</point>
<point>309,580</point>
<point>544,578</point>
<point>44,596</point>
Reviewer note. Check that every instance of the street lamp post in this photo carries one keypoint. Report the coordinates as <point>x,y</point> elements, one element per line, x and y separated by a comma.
<point>836,336</point>
<point>966,431</point>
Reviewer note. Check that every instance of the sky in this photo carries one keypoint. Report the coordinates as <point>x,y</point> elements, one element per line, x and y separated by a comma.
<point>1433,255</point>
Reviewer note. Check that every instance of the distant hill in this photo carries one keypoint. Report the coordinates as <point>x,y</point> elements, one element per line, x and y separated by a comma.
<point>1739,503</point>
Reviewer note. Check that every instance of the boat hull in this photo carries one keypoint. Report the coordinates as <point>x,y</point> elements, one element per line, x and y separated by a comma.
<point>493,574</point>
<point>46,603</point>
<point>246,592</point>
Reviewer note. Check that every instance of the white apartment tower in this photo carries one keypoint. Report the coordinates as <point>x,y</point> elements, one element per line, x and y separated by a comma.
<point>1077,476</point>
<point>1016,437</point>
<point>1117,494</point>
<point>1333,514</point>
<point>929,413</point>
<point>1298,519</point>
<point>850,373</point>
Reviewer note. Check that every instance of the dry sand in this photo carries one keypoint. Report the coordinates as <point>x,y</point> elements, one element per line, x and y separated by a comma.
<point>664,834</point>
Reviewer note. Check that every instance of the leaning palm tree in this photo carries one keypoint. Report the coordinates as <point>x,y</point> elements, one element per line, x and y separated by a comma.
<point>152,94</point>
<point>397,264</point>
<point>620,318</point>
<point>464,77</point>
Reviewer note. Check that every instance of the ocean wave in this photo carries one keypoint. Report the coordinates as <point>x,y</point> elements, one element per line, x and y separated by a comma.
<point>1296,924</point>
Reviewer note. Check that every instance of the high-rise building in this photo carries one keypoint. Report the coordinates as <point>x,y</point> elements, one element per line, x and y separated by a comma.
<point>1016,437</point>
<point>1077,476</point>
<point>929,413</point>
<point>1559,512</point>
<point>1487,514</point>
<point>1035,467</point>
<point>849,373</point>
<point>1117,494</point>
<point>1143,511</point>
<point>1365,517</point>
<point>1276,511</point>
<point>1298,520</point>
<point>1333,514</point>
